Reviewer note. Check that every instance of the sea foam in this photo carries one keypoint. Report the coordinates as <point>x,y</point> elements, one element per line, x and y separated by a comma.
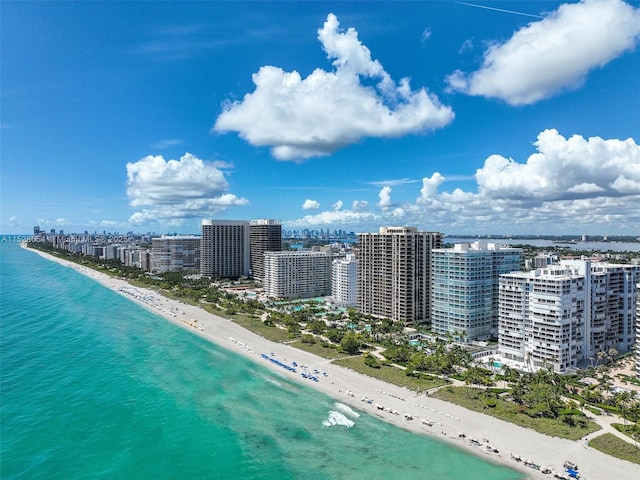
<point>337,418</point>
<point>346,410</point>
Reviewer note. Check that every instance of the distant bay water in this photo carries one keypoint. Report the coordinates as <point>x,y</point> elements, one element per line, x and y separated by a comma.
<point>93,386</point>
<point>588,246</point>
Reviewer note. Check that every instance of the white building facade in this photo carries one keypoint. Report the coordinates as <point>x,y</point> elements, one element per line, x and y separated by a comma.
<point>541,318</point>
<point>344,281</point>
<point>638,330</point>
<point>298,274</point>
<point>612,298</point>
<point>564,315</point>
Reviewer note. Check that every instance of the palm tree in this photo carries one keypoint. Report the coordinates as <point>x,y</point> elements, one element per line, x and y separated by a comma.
<point>622,400</point>
<point>601,356</point>
<point>529,357</point>
<point>506,373</point>
<point>492,364</point>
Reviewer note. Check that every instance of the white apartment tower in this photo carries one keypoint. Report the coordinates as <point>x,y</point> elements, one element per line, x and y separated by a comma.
<point>464,288</point>
<point>344,281</point>
<point>566,314</point>
<point>224,248</point>
<point>175,253</point>
<point>541,317</point>
<point>297,274</point>
<point>611,298</point>
<point>264,236</point>
<point>638,330</point>
<point>393,273</point>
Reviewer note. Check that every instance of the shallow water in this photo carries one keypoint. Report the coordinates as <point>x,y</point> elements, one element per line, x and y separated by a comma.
<point>94,386</point>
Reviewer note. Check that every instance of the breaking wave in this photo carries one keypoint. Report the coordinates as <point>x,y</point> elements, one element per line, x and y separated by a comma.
<point>346,410</point>
<point>337,418</point>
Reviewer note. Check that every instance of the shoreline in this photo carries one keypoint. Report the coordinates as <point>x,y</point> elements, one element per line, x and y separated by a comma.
<point>401,407</point>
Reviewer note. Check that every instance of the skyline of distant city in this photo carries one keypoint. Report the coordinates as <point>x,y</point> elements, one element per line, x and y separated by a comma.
<point>444,115</point>
<point>329,233</point>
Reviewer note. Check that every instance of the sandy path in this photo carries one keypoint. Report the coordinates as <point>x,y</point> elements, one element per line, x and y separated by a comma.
<point>448,420</point>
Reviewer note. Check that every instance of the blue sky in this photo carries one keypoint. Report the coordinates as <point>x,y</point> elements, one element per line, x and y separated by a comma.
<point>482,117</point>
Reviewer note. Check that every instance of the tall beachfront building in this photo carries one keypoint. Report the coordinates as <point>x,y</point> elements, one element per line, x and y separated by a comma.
<point>224,248</point>
<point>264,236</point>
<point>565,315</point>
<point>297,274</point>
<point>638,330</point>
<point>175,253</point>
<point>464,288</point>
<point>145,260</point>
<point>344,281</point>
<point>541,317</point>
<point>611,298</point>
<point>393,273</point>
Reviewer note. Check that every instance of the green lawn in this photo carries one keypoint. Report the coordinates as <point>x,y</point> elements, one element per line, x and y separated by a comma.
<point>474,399</point>
<point>616,447</point>
<point>390,374</point>
<point>318,349</point>
<point>257,326</point>
<point>173,296</point>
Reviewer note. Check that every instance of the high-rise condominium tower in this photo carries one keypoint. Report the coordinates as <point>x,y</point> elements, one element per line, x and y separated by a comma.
<point>393,273</point>
<point>566,314</point>
<point>264,236</point>
<point>304,274</point>
<point>638,330</point>
<point>464,288</point>
<point>344,281</point>
<point>177,253</point>
<point>224,251</point>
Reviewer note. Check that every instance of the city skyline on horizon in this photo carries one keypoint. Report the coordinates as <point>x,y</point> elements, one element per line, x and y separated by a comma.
<point>315,233</point>
<point>448,116</point>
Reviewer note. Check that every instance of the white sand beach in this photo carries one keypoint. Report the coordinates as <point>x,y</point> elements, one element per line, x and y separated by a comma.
<point>367,394</point>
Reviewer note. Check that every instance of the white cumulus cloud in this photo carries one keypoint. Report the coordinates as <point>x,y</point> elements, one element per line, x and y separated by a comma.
<point>567,185</point>
<point>585,188</point>
<point>430,186</point>
<point>359,205</point>
<point>385,198</point>
<point>310,205</point>
<point>350,218</point>
<point>314,116</point>
<point>553,54</point>
<point>338,205</point>
<point>565,168</point>
<point>172,190</point>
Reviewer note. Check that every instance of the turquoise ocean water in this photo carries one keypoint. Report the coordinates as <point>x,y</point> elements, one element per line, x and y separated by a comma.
<point>93,386</point>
